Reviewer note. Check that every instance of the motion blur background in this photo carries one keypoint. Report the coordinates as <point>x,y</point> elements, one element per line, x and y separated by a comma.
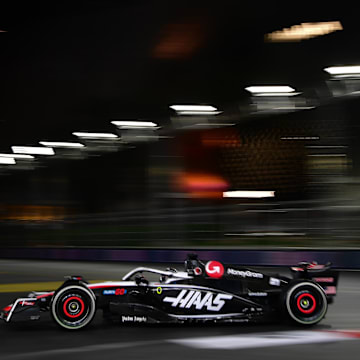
<point>85,66</point>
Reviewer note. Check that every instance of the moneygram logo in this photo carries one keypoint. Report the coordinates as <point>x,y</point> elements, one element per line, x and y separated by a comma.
<point>244,274</point>
<point>214,269</point>
<point>192,298</point>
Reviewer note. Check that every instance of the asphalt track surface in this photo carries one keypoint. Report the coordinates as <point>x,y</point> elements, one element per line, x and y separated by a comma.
<point>44,339</point>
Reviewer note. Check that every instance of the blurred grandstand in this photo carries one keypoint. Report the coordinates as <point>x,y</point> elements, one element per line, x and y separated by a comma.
<point>169,193</point>
<point>102,87</point>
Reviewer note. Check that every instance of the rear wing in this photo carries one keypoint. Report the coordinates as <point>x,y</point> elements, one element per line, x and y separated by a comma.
<point>323,275</point>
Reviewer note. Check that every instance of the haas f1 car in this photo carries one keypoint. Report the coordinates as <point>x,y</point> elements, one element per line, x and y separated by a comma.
<point>203,291</point>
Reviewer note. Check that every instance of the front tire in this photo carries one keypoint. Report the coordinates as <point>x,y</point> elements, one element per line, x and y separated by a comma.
<point>73,307</point>
<point>306,303</point>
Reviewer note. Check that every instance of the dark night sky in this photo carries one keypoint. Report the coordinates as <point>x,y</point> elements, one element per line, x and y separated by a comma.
<point>68,66</point>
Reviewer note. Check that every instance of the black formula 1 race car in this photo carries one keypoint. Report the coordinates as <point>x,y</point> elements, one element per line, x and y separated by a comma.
<point>204,291</point>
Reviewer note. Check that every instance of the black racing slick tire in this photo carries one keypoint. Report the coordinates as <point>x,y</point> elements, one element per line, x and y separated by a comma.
<point>73,307</point>
<point>305,303</point>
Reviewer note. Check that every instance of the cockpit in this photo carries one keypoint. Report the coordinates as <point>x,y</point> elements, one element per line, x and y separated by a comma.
<point>193,266</point>
<point>166,276</point>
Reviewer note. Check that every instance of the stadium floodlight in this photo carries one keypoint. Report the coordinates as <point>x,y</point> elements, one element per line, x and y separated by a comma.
<point>57,144</point>
<point>215,124</point>
<point>248,194</point>
<point>304,31</point>
<point>278,94</point>
<point>294,108</point>
<point>343,70</point>
<point>193,108</point>
<point>282,89</point>
<point>18,156</point>
<point>88,135</point>
<point>328,155</point>
<point>326,146</point>
<point>7,160</point>
<point>33,150</point>
<point>300,138</point>
<point>199,112</point>
<point>134,124</point>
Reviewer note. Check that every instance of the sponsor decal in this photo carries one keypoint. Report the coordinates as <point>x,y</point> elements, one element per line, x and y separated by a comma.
<point>27,303</point>
<point>244,274</point>
<point>136,319</point>
<point>274,281</point>
<point>330,290</point>
<point>192,298</point>
<point>324,279</point>
<point>121,291</point>
<point>252,310</point>
<point>214,269</point>
<point>257,293</point>
<point>109,292</point>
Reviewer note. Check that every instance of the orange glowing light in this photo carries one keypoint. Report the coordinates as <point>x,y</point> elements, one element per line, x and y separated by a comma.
<point>180,40</point>
<point>220,138</point>
<point>303,31</point>
<point>33,213</point>
<point>201,185</point>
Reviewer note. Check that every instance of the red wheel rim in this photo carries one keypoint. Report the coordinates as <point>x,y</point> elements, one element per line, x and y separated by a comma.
<point>79,301</point>
<point>306,311</point>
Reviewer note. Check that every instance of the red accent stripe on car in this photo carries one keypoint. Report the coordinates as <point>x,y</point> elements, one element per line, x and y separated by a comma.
<point>45,295</point>
<point>297,269</point>
<point>324,279</point>
<point>103,286</point>
<point>7,308</point>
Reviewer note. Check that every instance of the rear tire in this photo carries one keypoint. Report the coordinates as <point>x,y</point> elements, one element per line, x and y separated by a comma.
<point>73,307</point>
<point>306,303</point>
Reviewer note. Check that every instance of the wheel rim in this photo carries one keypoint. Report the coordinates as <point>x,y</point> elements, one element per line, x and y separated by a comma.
<point>306,303</point>
<point>73,307</point>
